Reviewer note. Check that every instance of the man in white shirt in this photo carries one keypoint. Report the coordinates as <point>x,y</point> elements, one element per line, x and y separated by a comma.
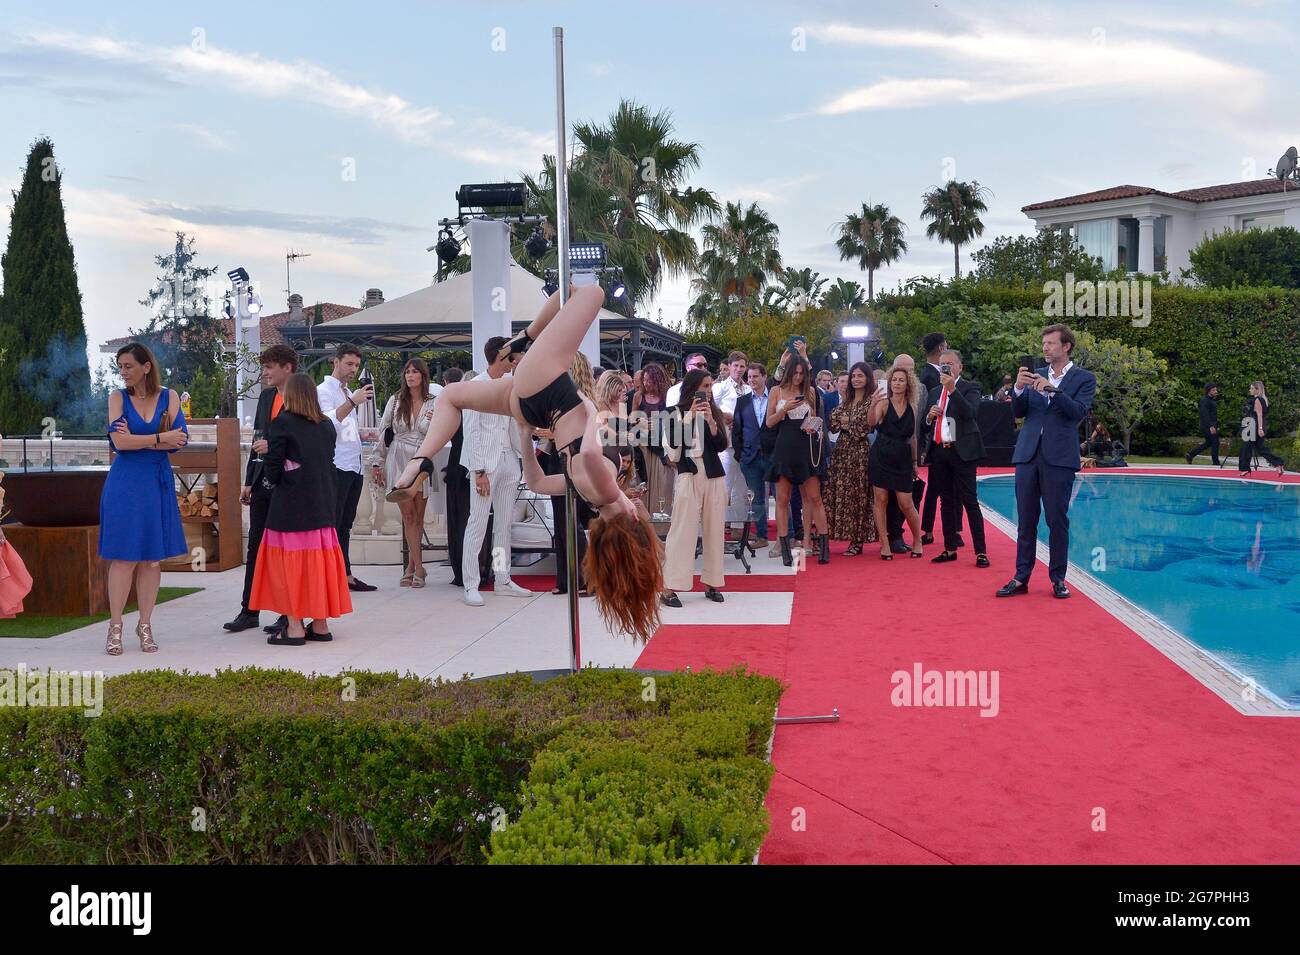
<point>725,392</point>
<point>340,406</point>
<point>675,391</point>
<point>491,456</point>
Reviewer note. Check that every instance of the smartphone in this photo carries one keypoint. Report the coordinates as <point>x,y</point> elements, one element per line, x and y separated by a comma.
<point>882,386</point>
<point>946,368</point>
<point>1026,361</point>
<point>700,396</point>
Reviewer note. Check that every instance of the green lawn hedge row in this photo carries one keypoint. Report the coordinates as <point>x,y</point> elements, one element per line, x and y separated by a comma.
<point>270,766</point>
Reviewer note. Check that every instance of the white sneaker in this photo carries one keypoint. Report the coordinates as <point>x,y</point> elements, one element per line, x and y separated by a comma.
<point>473,598</point>
<point>512,589</point>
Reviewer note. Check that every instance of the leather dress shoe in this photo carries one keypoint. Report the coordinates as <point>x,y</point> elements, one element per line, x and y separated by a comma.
<point>1013,588</point>
<point>713,595</point>
<point>981,560</point>
<point>670,600</point>
<point>359,586</point>
<point>247,620</point>
<point>927,538</point>
<point>961,542</point>
<point>1059,590</point>
<point>281,624</point>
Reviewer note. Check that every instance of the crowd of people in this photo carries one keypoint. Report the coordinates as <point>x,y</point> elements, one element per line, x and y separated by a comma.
<point>782,461</point>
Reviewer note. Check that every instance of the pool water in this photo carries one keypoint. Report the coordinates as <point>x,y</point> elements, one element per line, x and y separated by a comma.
<point>1216,560</point>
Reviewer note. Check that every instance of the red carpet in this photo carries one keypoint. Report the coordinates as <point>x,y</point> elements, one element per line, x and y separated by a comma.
<point>1092,720</point>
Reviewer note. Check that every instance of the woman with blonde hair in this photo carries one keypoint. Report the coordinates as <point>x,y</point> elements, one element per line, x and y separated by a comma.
<point>406,419</point>
<point>139,519</point>
<point>891,467</point>
<point>1252,434</point>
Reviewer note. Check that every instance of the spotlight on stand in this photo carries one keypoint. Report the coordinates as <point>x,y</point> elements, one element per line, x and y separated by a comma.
<point>237,276</point>
<point>551,286</point>
<point>500,196</point>
<point>537,244</point>
<point>447,248</point>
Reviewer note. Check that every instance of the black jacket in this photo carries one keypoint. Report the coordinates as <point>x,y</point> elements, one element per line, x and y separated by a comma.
<point>303,498</point>
<point>712,445</point>
<point>1209,414</point>
<point>928,376</point>
<point>262,423</point>
<point>963,408</point>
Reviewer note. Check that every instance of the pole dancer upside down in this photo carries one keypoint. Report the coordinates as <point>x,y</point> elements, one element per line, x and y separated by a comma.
<point>624,562</point>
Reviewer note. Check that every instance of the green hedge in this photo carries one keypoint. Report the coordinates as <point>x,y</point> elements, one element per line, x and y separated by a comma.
<point>270,766</point>
<point>1232,336</point>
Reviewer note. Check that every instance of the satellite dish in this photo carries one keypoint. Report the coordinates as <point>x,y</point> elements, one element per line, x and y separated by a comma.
<point>1287,166</point>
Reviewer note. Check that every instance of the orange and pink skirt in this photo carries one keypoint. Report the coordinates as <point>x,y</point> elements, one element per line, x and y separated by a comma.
<point>301,574</point>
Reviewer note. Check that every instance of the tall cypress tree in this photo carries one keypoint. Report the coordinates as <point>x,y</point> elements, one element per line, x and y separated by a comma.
<point>45,372</point>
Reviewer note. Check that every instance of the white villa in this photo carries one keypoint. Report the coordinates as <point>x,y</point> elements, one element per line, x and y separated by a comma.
<point>1141,229</point>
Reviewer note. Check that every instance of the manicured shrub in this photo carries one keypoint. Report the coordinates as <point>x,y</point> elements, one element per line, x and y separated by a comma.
<point>270,766</point>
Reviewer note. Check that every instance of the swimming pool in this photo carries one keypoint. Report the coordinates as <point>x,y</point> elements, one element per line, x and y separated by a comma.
<point>1218,561</point>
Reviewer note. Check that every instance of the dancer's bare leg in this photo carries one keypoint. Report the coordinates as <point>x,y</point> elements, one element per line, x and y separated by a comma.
<point>491,396</point>
<point>551,354</point>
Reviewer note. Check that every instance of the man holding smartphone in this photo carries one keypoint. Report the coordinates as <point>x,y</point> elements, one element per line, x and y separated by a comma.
<point>340,406</point>
<point>1052,400</point>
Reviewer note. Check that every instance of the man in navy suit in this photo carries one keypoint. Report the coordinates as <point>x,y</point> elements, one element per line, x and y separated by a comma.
<point>1052,400</point>
<point>752,442</point>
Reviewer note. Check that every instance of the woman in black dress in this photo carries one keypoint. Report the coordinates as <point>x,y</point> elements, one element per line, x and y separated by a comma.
<point>892,465</point>
<point>796,456</point>
<point>1255,411</point>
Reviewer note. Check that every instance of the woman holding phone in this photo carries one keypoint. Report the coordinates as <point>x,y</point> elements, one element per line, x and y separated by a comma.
<point>408,414</point>
<point>696,438</point>
<point>891,467</point>
<point>794,409</point>
<point>139,519</point>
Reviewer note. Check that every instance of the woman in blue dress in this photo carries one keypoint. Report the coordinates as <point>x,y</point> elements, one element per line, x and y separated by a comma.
<point>139,520</point>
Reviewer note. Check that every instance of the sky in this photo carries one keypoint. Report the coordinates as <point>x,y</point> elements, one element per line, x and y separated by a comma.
<point>343,130</point>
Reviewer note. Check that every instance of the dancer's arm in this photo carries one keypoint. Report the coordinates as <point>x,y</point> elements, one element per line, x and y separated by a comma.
<point>552,485</point>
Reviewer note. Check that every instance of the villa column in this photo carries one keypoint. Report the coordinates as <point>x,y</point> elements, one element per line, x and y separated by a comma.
<point>1146,244</point>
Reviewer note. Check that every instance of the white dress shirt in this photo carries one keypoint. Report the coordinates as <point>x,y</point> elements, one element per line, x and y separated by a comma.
<point>725,393</point>
<point>1053,379</point>
<point>673,396</point>
<point>333,394</point>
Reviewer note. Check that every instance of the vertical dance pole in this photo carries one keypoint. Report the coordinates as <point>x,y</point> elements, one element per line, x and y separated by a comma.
<point>570,556</point>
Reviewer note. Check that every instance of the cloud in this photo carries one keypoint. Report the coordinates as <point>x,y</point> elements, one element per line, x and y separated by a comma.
<point>999,64</point>
<point>207,138</point>
<point>769,192</point>
<point>361,230</point>
<point>247,73</point>
<point>499,147</point>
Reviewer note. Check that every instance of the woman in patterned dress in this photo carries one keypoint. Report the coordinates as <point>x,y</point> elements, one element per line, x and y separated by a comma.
<point>849,506</point>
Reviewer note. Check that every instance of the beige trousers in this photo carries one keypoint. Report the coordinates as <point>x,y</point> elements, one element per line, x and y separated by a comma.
<point>699,509</point>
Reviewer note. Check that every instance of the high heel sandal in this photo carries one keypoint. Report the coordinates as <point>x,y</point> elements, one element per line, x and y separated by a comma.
<point>853,550</point>
<point>885,556</point>
<point>519,343</point>
<point>405,580</point>
<point>398,494</point>
<point>114,645</point>
<point>145,632</point>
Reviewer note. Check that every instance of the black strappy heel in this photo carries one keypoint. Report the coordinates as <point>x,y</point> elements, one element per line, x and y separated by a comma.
<point>398,494</point>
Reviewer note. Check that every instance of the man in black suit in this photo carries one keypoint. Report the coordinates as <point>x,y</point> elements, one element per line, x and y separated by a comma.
<point>1209,409</point>
<point>1052,400</point>
<point>935,343</point>
<point>955,445</point>
<point>279,362</point>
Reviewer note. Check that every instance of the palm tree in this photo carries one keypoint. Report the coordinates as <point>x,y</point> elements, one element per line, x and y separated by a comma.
<point>795,289</point>
<point>874,238</point>
<point>844,296</point>
<point>740,252</point>
<point>954,213</point>
<point>627,189</point>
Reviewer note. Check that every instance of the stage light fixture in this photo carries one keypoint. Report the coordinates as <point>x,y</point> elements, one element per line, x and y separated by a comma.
<point>835,356</point>
<point>587,255</point>
<point>447,248</point>
<point>551,286</point>
<point>855,331</point>
<point>537,244</point>
<point>496,195</point>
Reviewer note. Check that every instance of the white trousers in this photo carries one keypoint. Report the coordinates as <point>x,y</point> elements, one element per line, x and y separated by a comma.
<point>699,504</point>
<point>504,479</point>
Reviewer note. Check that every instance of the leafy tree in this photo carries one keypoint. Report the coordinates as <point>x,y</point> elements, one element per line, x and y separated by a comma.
<point>1248,257</point>
<point>954,213</point>
<point>794,290</point>
<point>42,333</point>
<point>183,334</point>
<point>740,254</point>
<point>844,296</point>
<point>761,334</point>
<point>1132,383</point>
<point>1031,260</point>
<point>872,238</point>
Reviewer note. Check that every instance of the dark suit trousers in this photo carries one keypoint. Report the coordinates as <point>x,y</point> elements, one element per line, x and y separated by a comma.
<point>347,494</point>
<point>894,516</point>
<point>258,507</point>
<point>1042,488</point>
<point>933,490</point>
<point>1211,443</point>
<point>956,482</point>
<point>457,484</point>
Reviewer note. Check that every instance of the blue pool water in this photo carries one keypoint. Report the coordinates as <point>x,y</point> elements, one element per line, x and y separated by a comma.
<point>1216,560</point>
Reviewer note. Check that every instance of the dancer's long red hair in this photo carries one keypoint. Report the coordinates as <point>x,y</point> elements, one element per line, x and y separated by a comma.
<point>624,570</point>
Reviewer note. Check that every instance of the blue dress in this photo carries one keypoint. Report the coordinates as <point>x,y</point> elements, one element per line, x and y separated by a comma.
<point>138,515</point>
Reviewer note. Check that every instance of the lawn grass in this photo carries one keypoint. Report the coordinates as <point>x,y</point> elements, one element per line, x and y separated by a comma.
<point>38,626</point>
